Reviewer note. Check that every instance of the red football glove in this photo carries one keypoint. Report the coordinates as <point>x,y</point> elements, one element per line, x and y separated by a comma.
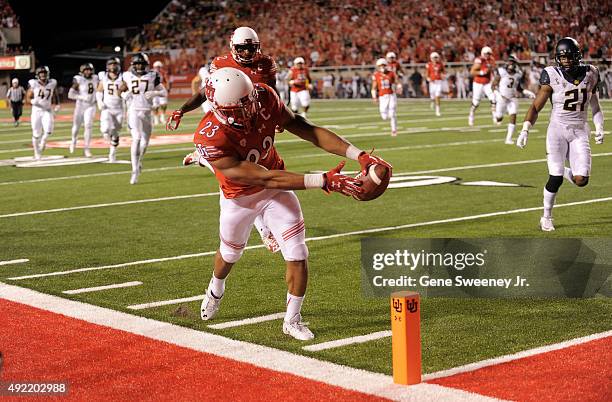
<point>366,160</point>
<point>345,185</point>
<point>174,120</point>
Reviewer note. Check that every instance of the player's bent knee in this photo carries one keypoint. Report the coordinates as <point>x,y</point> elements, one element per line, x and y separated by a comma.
<point>229,254</point>
<point>581,181</point>
<point>296,252</point>
<point>553,184</point>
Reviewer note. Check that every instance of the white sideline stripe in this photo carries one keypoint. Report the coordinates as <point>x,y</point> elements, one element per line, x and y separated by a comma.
<point>18,261</point>
<point>357,232</point>
<point>515,356</point>
<point>260,356</point>
<point>99,288</point>
<point>347,341</point>
<point>82,176</point>
<point>165,302</point>
<point>110,204</point>
<point>248,321</point>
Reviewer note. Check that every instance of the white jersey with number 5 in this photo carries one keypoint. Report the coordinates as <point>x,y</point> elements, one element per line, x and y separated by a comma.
<point>139,84</point>
<point>42,93</point>
<point>508,83</point>
<point>87,87</point>
<point>112,97</point>
<point>570,99</point>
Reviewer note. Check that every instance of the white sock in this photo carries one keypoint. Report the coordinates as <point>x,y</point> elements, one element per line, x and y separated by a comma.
<point>567,173</point>
<point>135,153</point>
<point>437,109</point>
<point>112,152</point>
<point>217,286</point>
<point>511,128</point>
<point>75,133</point>
<point>35,146</point>
<point>43,140</point>
<point>87,136</point>
<point>549,202</point>
<point>294,306</point>
<point>263,230</point>
<point>393,122</point>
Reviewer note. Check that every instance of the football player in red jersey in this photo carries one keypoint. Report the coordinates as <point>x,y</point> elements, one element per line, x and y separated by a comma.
<point>435,75</point>
<point>245,55</point>
<point>384,85</point>
<point>237,140</point>
<point>482,70</point>
<point>299,86</point>
<point>394,65</point>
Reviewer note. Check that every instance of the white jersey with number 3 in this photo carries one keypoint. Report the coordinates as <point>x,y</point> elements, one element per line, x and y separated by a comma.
<point>42,93</point>
<point>112,97</point>
<point>87,87</point>
<point>137,86</point>
<point>570,99</point>
<point>508,83</point>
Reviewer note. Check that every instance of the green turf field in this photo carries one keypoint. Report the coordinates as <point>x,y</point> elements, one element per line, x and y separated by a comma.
<point>454,331</point>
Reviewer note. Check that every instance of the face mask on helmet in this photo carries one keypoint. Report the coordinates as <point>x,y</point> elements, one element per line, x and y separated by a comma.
<point>140,67</point>
<point>567,54</point>
<point>245,52</point>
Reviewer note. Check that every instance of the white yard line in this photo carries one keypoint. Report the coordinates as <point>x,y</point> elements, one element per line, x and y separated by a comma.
<point>165,302</point>
<point>345,234</point>
<point>520,355</point>
<point>18,261</point>
<point>110,204</point>
<point>248,321</point>
<point>317,347</point>
<point>260,356</point>
<point>99,288</point>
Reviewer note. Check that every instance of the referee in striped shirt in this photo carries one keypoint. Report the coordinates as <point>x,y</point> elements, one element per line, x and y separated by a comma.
<point>15,95</point>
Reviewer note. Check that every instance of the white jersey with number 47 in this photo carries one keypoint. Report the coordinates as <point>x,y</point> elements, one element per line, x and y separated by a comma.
<point>112,97</point>
<point>570,99</point>
<point>137,85</point>
<point>508,83</point>
<point>42,93</point>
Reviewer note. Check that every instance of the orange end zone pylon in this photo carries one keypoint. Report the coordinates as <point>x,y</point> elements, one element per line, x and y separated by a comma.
<point>406,337</point>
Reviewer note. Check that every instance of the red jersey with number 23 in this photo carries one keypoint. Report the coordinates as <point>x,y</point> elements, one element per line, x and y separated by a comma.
<point>215,140</point>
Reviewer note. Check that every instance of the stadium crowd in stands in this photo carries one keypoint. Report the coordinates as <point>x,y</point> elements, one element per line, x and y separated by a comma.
<point>8,18</point>
<point>335,32</point>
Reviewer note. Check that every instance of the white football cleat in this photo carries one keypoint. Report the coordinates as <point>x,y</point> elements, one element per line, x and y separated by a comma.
<point>72,146</point>
<point>297,329</point>
<point>546,224</point>
<point>134,178</point>
<point>87,153</point>
<point>270,242</point>
<point>393,133</point>
<point>438,114</point>
<point>509,142</point>
<point>210,305</point>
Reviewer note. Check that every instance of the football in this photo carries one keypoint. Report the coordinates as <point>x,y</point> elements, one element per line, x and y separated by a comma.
<point>374,183</point>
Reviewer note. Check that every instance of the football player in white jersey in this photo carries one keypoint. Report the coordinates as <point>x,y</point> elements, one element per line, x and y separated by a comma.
<point>506,85</point>
<point>160,103</point>
<point>110,104</point>
<point>41,95</point>
<point>139,87</point>
<point>570,86</point>
<point>83,91</point>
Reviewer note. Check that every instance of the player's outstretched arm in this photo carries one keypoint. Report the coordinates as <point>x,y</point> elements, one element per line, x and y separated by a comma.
<point>598,118</point>
<point>253,174</point>
<point>531,117</point>
<point>192,103</point>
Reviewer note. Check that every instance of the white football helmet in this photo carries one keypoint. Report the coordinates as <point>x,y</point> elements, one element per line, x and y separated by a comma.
<point>434,56</point>
<point>381,64</point>
<point>158,64</point>
<point>244,45</point>
<point>232,95</point>
<point>391,55</point>
<point>486,51</point>
<point>298,60</point>
<point>15,81</point>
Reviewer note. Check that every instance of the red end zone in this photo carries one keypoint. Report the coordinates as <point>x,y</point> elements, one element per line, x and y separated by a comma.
<point>105,363</point>
<point>576,373</point>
